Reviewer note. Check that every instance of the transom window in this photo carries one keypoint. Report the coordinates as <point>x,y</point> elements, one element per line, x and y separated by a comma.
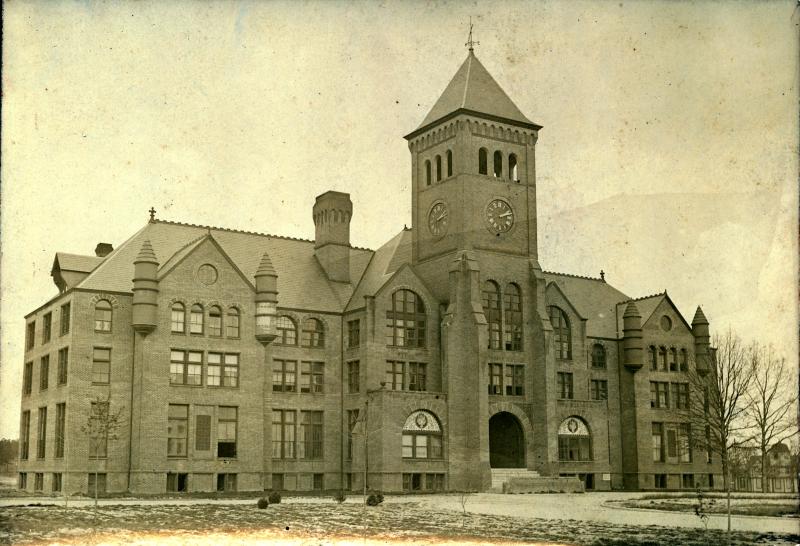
<point>186,368</point>
<point>287,331</point>
<point>102,316</point>
<point>222,370</point>
<point>574,440</point>
<point>313,333</point>
<point>406,320</point>
<point>422,436</point>
<point>562,335</point>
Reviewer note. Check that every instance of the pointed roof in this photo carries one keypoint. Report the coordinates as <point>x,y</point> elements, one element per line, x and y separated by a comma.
<point>146,254</point>
<point>474,90</point>
<point>594,299</point>
<point>265,268</point>
<point>699,317</point>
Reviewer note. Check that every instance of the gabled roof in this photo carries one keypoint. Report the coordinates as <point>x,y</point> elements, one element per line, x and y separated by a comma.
<point>76,262</point>
<point>385,261</point>
<point>474,90</point>
<point>302,283</point>
<point>647,305</point>
<point>592,298</point>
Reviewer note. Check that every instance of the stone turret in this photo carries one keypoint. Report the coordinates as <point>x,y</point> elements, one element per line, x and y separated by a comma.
<point>702,341</point>
<point>266,300</point>
<point>632,338</point>
<point>145,290</point>
<point>332,212</point>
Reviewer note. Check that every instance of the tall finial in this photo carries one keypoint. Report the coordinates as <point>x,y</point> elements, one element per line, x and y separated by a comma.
<point>470,42</point>
<point>602,275</point>
<point>152,212</point>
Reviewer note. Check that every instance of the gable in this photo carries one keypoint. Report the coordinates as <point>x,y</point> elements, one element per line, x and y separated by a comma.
<point>406,277</point>
<point>666,308</point>
<point>555,296</point>
<point>203,253</point>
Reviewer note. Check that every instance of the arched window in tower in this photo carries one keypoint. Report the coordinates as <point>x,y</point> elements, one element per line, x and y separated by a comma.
<point>491,309</point>
<point>178,317</point>
<point>512,323</point>
<point>498,164</point>
<point>598,356</point>
<point>427,172</point>
<point>287,331</point>
<point>483,161</point>
<point>215,321</point>
<point>102,316</point>
<point>196,319</point>
<point>574,440</point>
<point>232,325</point>
<point>406,320</point>
<point>562,334</point>
<point>438,168</point>
<point>512,168</point>
<point>422,436</point>
<point>313,333</point>
<point>449,163</point>
<point>653,358</point>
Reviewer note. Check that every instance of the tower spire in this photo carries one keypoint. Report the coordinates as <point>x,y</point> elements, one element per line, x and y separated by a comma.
<point>470,42</point>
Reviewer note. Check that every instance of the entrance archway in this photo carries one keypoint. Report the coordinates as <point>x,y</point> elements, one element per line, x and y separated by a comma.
<point>506,441</point>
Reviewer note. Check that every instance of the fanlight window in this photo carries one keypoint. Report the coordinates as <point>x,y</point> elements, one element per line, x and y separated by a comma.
<point>422,436</point>
<point>406,320</point>
<point>562,334</point>
<point>232,324</point>
<point>102,316</point>
<point>215,321</point>
<point>287,331</point>
<point>178,317</point>
<point>574,440</point>
<point>196,320</point>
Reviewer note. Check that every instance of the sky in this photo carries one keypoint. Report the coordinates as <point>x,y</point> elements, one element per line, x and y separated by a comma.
<point>668,154</point>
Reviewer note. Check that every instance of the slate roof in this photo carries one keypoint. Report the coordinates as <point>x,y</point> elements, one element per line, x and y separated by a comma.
<point>594,299</point>
<point>302,283</point>
<point>386,260</point>
<point>473,88</point>
<point>76,262</point>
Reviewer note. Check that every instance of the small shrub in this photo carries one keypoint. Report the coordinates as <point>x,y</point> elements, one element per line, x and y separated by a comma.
<point>274,497</point>
<point>262,503</point>
<point>374,499</point>
<point>339,497</point>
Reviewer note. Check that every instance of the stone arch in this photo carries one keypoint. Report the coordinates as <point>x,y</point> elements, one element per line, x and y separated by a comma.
<point>527,426</point>
<point>103,296</point>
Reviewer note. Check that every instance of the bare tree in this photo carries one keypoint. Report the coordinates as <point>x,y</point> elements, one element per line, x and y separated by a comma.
<point>101,426</point>
<point>719,404</point>
<point>771,400</point>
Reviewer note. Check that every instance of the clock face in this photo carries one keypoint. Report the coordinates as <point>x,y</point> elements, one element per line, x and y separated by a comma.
<point>499,216</point>
<point>438,219</point>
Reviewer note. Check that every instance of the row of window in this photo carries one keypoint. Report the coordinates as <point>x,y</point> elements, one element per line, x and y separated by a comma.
<point>514,379</point>
<point>665,395</point>
<point>47,327</point>
<point>598,388</point>
<point>198,324</point>
<point>44,372</point>
<point>186,368</point>
<point>285,376</point>
<point>687,481</point>
<point>438,167</point>
<point>672,442</point>
<point>41,432</point>
<point>659,359</point>
<point>505,322</point>
<point>497,164</point>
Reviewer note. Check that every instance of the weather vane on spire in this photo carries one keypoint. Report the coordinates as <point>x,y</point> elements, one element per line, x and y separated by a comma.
<point>470,42</point>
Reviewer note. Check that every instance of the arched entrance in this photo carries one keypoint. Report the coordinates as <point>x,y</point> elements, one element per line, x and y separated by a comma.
<point>506,441</point>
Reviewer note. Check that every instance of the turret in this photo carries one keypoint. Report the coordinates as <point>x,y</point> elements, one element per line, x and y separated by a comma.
<point>632,338</point>
<point>702,341</point>
<point>266,300</point>
<point>332,212</point>
<point>145,290</point>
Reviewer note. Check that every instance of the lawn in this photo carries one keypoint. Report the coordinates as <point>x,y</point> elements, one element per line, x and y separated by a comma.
<point>742,505</point>
<point>327,523</point>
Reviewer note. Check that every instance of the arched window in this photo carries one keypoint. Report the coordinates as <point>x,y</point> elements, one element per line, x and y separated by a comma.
<point>562,334</point>
<point>483,161</point>
<point>684,361</point>
<point>196,319</point>
<point>232,324</point>
<point>574,440</point>
<point>178,317</point>
<point>215,321</point>
<point>102,316</point>
<point>406,320</point>
<point>427,172</point>
<point>598,356</point>
<point>662,356</point>
<point>287,331</point>
<point>313,334</point>
<point>653,358</point>
<point>498,164</point>
<point>449,163</point>
<point>673,359</point>
<point>491,309</point>
<point>512,327</point>
<point>438,168</point>
<point>422,436</point>
<point>512,168</point>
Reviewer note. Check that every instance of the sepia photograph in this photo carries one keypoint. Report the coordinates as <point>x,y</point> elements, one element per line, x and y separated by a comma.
<point>355,272</point>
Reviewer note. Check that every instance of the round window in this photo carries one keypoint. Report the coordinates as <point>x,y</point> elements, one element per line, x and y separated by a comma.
<point>207,274</point>
<point>666,323</point>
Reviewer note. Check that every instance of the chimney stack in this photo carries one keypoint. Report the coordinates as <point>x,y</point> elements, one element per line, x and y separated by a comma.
<point>332,212</point>
<point>103,249</point>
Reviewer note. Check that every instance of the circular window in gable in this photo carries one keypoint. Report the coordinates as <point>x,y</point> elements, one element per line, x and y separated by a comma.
<point>207,274</point>
<point>666,323</point>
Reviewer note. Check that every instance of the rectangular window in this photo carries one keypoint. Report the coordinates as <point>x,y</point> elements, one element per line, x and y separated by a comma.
<point>226,431</point>
<point>684,361</point>
<point>660,481</point>
<point>318,482</point>
<point>25,435</point>
<point>395,375</point>
<point>97,483</point>
<point>61,421</point>
<point>214,370</point>
<point>101,365</point>
<point>417,377</point>
<point>30,335</point>
<point>565,385</point>
<point>177,430</point>
<point>186,367</point>
<point>599,389</point>
<point>709,451</point>
<point>284,375</point>
<point>574,448</point>
<point>63,365</point>
<point>56,483</point>
<point>685,442</point>
<point>434,482</point>
<point>672,442</point>
<point>353,333</point>
<point>177,482</point>
<point>658,442</point>
<point>222,370</point>
<point>47,325</point>
<point>98,440</point>
<point>352,419</point>
<point>353,377</point>
<point>680,395</point>
<point>659,394</point>
<point>38,481</point>
<point>673,360</point>
<point>226,482</point>
<point>41,436</point>
<point>23,480</point>
<point>687,481</point>
<point>495,379</point>
<point>515,380</point>
<point>312,375</point>
<point>412,481</point>
<point>202,432</point>
<point>215,322</point>
<point>44,372</point>
<point>283,434</point>
<point>65,311</point>
<point>309,445</point>
<point>27,378</point>
<point>277,482</point>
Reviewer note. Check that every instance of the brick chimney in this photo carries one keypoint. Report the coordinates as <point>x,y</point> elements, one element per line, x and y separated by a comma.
<point>103,249</point>
<point>332,212</point>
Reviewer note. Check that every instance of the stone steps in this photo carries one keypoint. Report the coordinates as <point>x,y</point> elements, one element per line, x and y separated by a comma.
<point>502,475</point>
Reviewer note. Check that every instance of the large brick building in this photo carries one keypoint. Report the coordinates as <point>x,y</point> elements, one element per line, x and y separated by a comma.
<point>245,361</point>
